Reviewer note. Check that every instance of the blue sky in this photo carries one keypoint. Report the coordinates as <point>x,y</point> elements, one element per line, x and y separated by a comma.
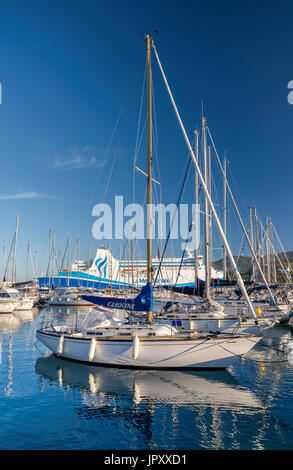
<point>69,67</point>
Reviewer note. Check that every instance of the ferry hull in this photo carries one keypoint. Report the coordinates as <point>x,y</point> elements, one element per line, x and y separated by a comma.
<point>93,281</point>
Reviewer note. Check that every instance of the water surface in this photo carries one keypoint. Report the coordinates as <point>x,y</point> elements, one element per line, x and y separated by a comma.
<point>52,404</point>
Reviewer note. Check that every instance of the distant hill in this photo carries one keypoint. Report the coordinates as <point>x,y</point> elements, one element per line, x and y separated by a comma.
<point>244,264</point>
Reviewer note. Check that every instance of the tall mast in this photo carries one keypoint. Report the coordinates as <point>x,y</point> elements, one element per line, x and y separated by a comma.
<point>68,273</point>
<point>128,267</point>
<point>274,271</point>
<point>53,254</point>
<point>119,267</point>
<point>27,257</point>
<point>77,249</point>
<point>60,264</point>
<point>210,212</point>
<point>50,241</point>
<point>256,240</point>
<point>196,228</point>
<point>251,225</point>
<point>268,252</point>
<point>206,216</point>
<point>131,254</point>
<point>288,270</point>
<point>149,167</point>
<point>225,218</point>
<point>251,240</point>
<point>14,255</point>
<point>263,250</point>
<point>36,262</point>
<point>4,256</point>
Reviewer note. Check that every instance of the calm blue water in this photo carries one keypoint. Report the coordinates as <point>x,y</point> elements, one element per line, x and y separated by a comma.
<point>48,403</point>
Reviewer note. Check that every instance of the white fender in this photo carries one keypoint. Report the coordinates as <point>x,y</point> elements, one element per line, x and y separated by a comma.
<point>60,345</point>
<point>135,347</point>
<point>92,349</point>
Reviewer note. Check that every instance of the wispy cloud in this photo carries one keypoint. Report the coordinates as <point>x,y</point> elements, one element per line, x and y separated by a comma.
<point>87,157</point>
<point>27,195</point>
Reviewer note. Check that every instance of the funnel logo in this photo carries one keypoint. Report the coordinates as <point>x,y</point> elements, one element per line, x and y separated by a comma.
<point>102,266</point>
<point>290,96</point>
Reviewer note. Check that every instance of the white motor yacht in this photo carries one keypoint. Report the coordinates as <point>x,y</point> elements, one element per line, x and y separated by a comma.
<point>7,305</point>
<point>14,297</point>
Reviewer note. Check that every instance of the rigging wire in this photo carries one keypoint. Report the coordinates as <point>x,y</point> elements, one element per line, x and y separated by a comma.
<point>105,158</point>
<point>177,204</point>
<point>119,144</point>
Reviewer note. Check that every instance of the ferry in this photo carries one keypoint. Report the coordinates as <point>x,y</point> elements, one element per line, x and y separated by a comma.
<point>106,271</point>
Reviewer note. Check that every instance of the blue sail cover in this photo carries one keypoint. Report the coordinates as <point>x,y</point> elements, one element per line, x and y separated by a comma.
<point>142,303</point>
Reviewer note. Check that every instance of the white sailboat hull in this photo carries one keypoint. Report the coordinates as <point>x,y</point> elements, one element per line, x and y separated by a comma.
<point>159,353</point>
<point>175,387</point>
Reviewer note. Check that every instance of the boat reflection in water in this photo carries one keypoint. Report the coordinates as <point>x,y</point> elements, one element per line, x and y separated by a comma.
<point>9,322</point>
<point>26,315</point>
<point>175,409</point>
<point>13,321</point>
<point>100,385</point>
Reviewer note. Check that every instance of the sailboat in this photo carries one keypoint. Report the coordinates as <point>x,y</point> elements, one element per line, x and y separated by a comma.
<point>149,345</point>
<point>8,292</point>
